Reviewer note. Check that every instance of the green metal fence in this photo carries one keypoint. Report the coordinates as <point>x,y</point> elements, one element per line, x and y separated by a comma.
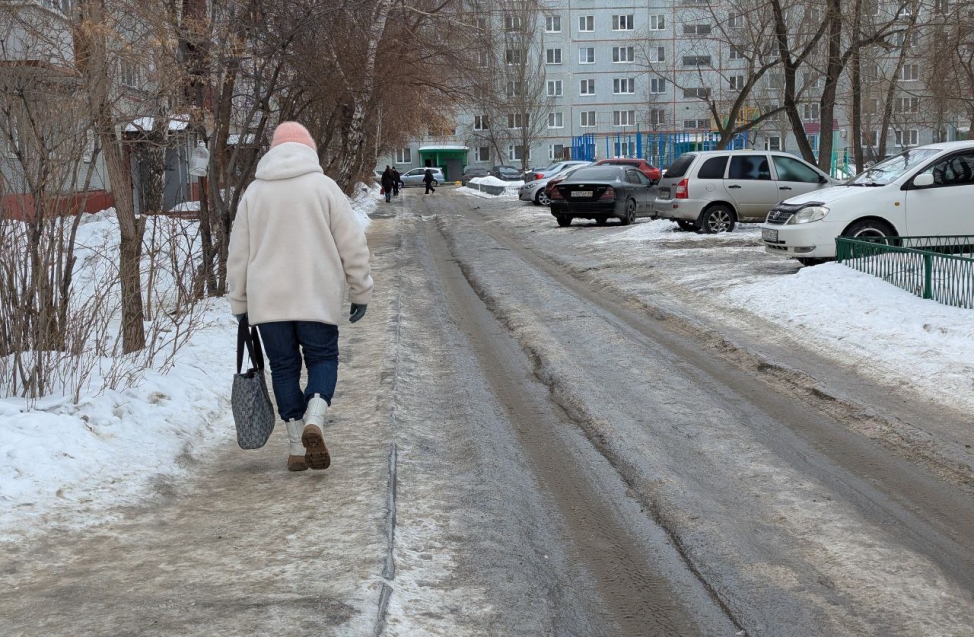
<point>938,268</point>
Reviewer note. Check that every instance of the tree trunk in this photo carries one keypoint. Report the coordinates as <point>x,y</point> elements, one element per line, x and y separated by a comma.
<point>833,70</point>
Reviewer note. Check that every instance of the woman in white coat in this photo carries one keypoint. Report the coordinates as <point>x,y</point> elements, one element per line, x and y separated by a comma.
<point>294,247</point>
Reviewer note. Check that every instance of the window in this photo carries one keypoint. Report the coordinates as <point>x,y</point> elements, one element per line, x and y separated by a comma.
<point>484,59</point>
<point>811,111</point>
<point>941,6</point>
<point>480,122</point>
<point>587,119</point>
<point>623,54</point>
<point>552,24</point>
<point>736,53</point>
<point>908,137</point>
<point>907,104</point>
<point>696,123</point>
<point>404,156</point>
<point>586,55</point>
<point>736,82</point>
<point>657,23</point>
<point>713,168</point>
<point>515,56</point>
<point>553,56</point>
<point>811,80</point>
<point>556,151</point>
<point>735,21</point>
<point>130,74</point>
<point>623,118</point>
<point>657,85</point>
<point>791,169</point>
<point>622,22</point>
<point>586,87</point>
<point>515,88</point>
<point>910,72</point>
<point>657,116</point>
<point>623,85</point>
<point>586,23</point>
<point>956,170</point>
<point>872,107</point>
<point>871,138</point>
<point>657,54</point>
<point>556,120</point>
<point>696,60</point>
<point>773,142</point>
<point>698,93</point>
<point>554,88</point>
<point>512,23</point>
<point>515,152</point>
<point>517,120</point>
<point>482,153</point>
<point>696,29</point>
<point>752,167</point>
<point>776,80</point>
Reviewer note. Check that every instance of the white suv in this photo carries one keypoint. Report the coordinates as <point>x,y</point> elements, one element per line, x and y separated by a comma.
<point>924,191</point>
<point>713,190</point>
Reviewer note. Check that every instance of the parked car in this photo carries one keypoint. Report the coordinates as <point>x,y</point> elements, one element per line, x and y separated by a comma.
<point>600,192</point>
<point>713,190</point>
<point>641,165</point>
<point>415,177</point>
<point>473,171</point>
<point>923,191</point>
<point>552,170</point>
<point>507,173</point>
<point>536,190</point>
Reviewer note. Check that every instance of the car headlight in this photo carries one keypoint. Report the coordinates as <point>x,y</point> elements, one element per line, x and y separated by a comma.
<point>809,214</point>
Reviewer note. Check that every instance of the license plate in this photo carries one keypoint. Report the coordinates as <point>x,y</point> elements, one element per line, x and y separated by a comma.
<point>582,193</point>
<point>769,235</point>
<point>664,193</point>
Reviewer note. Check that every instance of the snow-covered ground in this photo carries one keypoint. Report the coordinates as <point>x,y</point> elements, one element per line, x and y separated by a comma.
<point>72,461</point>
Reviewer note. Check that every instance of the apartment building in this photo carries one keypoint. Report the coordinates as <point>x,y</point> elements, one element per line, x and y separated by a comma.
<point>612,69</point>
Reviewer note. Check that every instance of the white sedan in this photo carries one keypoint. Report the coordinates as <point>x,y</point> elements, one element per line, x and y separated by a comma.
<point>534,191</point>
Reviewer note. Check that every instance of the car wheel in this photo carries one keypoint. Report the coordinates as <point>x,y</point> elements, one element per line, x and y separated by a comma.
<point>686,226</point>
<point>600,221</point>
<point>809,261</point>
<point>541,198</point>
<point>717,219</point>
<point>868,228</point>
<point>630,216</point>
<point>434,183</point>
<point>564,220</point>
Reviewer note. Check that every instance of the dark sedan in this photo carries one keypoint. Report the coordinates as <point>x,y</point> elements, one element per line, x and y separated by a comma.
<point>601,192</point>
<point>506,173</point>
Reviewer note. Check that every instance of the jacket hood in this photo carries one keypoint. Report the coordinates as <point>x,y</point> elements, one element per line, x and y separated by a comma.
<point>291,159</point>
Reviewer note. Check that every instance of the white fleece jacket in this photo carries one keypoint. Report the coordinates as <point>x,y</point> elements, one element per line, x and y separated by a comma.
<point>295,243</point>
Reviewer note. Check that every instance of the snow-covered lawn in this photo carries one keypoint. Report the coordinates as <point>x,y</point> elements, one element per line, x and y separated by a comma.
<point>72,461</point>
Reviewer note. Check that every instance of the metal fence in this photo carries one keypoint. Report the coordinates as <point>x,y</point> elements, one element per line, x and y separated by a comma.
<point>938,268</point>
<point>659,148</point>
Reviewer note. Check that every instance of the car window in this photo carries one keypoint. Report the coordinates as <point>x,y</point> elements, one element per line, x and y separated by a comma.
<point>713,168</point>
<point>415,171</point>
<point>752,167</point>
<point>889,170</point>
<point>953,171</point>
<point>791,169</point>
<point>679,167</point>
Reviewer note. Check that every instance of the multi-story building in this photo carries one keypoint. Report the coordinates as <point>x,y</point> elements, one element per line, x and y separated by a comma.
<point>650,77</point>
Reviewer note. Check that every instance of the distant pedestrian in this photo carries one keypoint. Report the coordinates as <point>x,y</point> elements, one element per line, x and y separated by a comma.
<point>396,180</point>
<point>428,180</point>
<point>294,246</point>
<point>388,183</point>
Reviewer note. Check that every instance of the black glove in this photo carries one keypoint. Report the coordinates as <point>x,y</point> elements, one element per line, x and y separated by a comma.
<point>240,317</point>
<point>357,312</point>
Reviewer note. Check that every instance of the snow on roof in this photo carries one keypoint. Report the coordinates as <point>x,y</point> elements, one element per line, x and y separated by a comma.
<point>444,147</point>
<point>142,124</point>
<point>233,140</point>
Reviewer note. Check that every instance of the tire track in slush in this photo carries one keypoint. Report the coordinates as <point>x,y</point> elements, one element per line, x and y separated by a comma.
<point>641,599</point>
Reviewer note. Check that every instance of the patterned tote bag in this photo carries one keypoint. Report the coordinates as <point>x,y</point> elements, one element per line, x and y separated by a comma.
<point>253,413</point>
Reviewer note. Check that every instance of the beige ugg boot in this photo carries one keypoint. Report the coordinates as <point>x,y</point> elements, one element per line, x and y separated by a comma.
<point>295,448</point>
<point>315,452</point>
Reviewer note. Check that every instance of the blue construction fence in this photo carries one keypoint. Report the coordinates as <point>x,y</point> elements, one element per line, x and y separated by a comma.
<point>658,148</point>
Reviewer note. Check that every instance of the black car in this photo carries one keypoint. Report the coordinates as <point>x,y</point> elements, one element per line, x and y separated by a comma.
<point>506,173</point>
<point>601,192</point>
<point>472,171</point>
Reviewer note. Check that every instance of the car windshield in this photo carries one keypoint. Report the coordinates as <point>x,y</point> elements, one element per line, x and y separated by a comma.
<point>889,170</point>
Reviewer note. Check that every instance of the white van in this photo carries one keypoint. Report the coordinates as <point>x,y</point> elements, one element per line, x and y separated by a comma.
<point>923,191</point>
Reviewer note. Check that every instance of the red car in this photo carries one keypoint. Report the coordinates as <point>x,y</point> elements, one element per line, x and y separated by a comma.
<point>647,169</point>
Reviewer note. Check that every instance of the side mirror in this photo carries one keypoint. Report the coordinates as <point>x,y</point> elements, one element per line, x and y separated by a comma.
<point>924,180</point>
<point>822,179</point>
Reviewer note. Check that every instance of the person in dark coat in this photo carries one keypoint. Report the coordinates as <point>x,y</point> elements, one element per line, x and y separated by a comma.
<point>428,180</point>
<point>396,180</point>
<point>387,183</point>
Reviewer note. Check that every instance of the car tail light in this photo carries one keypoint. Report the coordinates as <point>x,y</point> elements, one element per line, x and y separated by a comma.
<point>554,194</point>
<point>683,189</point>
<point>538,175</point>
<point>610,193</point>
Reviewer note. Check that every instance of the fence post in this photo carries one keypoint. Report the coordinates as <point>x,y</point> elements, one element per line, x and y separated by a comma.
<point>928,276</point>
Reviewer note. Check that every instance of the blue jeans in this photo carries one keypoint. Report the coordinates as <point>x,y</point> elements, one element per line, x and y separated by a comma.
<point>284,342</point>
<point>388,195</point>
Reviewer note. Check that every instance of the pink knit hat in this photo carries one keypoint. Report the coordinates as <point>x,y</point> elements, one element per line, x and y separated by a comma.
<point>292,132</point>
